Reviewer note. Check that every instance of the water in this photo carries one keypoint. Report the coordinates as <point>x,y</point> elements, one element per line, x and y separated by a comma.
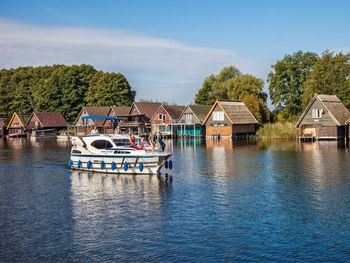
<point>265,202</point>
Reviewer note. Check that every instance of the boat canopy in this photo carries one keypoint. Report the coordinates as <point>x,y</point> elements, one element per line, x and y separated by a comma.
<point>96,117</point>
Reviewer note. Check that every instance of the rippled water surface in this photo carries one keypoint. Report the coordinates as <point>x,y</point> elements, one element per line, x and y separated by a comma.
<point>223,201</point>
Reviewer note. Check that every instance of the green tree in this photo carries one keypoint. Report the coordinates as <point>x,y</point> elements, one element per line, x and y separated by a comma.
<point>213,87</point>
<point>108,89</point>
<point>249,89</point>
<point>287,80</point>
<point>330,75</point>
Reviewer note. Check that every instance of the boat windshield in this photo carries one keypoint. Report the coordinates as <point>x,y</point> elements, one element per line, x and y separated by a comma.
<point>124,141</point>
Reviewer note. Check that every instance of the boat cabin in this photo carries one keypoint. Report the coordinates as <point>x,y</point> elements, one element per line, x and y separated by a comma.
<point>325,118</point>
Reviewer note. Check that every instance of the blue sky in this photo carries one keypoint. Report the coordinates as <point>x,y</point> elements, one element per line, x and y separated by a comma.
<point>167,48</point>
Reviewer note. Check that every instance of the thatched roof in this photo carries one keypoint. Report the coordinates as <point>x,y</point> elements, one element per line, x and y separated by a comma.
<point>237,112</point>
<point>338,112</point>
<point>200,111</point>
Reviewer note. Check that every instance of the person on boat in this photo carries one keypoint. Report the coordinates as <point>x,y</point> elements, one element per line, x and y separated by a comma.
<point>160,141</point>
<point>94,130</point>
<point>117,130</point>
<point>152,138</point>
<point>132,140</point>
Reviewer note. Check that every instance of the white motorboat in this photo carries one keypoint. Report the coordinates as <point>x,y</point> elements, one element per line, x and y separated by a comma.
<point>114,154</point>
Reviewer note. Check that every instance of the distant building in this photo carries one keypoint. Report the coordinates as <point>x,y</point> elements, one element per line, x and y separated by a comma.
<point>83,127</point>
<point>17,126</point>
<point>44,123</point>
<point>165,119</point>
<point>228,118</point>
<point>191,121</point>
<point>139,117</point>
<point>324,118</point>
<point>116,111</point>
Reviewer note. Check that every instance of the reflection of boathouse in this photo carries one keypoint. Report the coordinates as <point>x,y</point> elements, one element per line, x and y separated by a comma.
<point>324,118</point>
<point>229,118</point>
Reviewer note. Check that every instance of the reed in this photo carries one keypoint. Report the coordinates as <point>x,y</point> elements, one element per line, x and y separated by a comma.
<point>277,131</point>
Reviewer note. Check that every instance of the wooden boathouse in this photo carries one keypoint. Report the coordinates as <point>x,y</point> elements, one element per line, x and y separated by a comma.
<point>165,119</point>
<point>43,124</point>
<point>228,118</point>
<point>83,126</point>
<point>325,118</point>
<point>121,112</point>
<point>191,121</point>
<point>17,127</point>
<point>2,128</point>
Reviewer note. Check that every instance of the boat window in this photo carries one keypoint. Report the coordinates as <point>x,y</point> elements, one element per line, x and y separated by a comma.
<point>121,142</point>
<point>102,144</point>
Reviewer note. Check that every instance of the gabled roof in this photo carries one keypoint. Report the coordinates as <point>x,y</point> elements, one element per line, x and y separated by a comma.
<point>98,111</point>
<point>146,108</point>
<point>120,110</point>
<point>174,111</point>
<point>236,111</point>
<point>23,118</point>
<point>201,111</point>
<point>50,119</point>
<point>336,109</point>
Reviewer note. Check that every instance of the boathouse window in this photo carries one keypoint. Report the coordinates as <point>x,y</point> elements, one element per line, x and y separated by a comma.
<point>188,118</point>
<point>101,144</point>
<point>317,113</point>
<point>218,116</point>
<point>160,116</point>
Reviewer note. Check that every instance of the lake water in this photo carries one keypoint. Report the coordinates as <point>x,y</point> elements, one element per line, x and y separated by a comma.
<point>223,201</point>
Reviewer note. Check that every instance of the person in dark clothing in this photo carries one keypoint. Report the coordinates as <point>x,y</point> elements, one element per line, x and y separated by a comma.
<point>160,141</point>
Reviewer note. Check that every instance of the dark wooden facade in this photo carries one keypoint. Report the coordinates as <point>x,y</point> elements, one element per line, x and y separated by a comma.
<point>230,119</point>
<point>2,128</point>
<point>324,118</point>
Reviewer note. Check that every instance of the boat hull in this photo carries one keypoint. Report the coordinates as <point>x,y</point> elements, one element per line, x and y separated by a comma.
<point>119,164</point>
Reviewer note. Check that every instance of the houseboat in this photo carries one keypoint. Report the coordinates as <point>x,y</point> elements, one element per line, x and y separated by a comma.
<point>114,154</point>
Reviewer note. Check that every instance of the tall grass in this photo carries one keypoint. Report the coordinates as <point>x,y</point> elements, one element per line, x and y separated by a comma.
<point>277,131</point>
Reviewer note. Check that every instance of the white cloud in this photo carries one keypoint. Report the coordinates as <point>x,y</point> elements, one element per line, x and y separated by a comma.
<point>156,68</point>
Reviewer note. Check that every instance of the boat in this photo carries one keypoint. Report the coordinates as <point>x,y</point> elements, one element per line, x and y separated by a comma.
<point>114,154</point>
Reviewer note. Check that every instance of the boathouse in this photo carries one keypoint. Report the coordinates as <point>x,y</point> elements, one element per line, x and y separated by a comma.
<point>17,126</point>
<point>139,117</point>
<point>228,118</point>
<point>43,124</point>
<point>191,121</point>
<point>84,126</point>
<point>325,118</point>
<point>165,119</point>
<point>121,112</point>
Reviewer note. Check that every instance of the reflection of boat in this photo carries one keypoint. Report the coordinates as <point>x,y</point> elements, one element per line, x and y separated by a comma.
<point>63,136</point>
<point>44,133</point>
<point>113,154</point>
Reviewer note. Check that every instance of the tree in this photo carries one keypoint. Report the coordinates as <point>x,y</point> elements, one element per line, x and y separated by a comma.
<point>330,75</point>
<point>108,89</point>
<point>286,82</point>
<point>249,89</point>
<point>213,87</point>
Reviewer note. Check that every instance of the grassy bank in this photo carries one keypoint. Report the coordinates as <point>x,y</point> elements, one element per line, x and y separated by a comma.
<point>277,131</point>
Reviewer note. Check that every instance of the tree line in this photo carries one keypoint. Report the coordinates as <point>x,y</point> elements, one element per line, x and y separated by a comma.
<point>61,88</point>
<point>292,83</point>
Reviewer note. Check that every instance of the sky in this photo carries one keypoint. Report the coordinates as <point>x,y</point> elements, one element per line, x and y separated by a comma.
<point>166,48</point>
